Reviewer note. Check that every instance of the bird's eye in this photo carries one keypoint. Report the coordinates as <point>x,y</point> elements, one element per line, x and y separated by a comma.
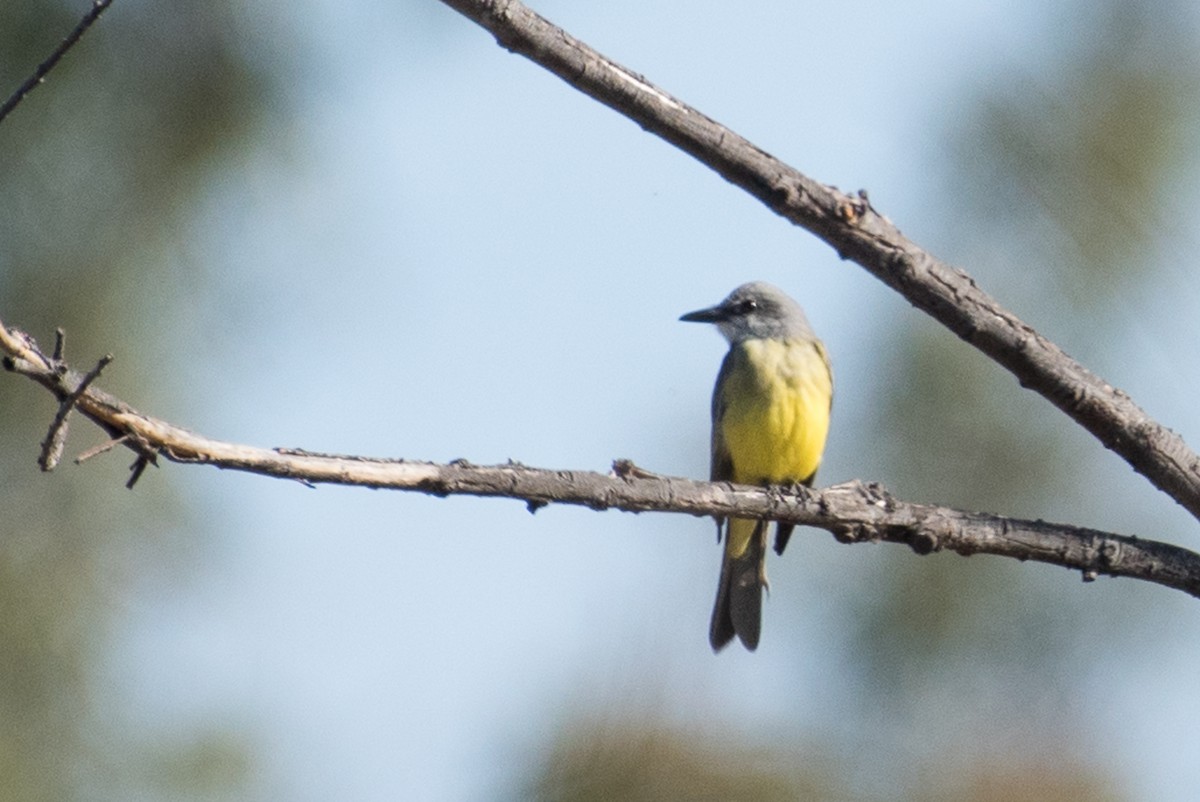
<point>747,306</point>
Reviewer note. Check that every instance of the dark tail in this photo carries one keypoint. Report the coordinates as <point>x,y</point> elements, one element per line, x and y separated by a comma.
<point>738,610</point>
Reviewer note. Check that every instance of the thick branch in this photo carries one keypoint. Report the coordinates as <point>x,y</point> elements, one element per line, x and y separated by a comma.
<point>856,231</point>
<point>853,512</point>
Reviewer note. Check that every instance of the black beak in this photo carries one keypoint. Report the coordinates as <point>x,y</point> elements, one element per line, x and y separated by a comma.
<point>714,314</point>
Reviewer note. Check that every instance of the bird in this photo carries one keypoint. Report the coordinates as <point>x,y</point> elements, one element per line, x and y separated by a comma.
<point>771,407</point>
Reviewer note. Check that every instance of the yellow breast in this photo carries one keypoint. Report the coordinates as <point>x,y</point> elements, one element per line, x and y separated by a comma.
<point>777,399</point>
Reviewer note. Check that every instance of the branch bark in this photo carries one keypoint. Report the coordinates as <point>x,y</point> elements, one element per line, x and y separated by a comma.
<point>854,512</point>
<point>858,232</point>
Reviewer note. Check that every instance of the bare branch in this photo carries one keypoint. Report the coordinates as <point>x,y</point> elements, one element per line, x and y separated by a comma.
<point>56,437</point>
<point>857,232</point>
<point>103,448</point>
<point>854,512</point>
<point>43,69</point>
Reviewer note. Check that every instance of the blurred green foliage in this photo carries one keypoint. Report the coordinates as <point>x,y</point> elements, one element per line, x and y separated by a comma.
<point>100,161</point>
<point>1062,189</point>
<point>594,762</point>
<point>961,671</point>
<point>1063,183</point>
<point>1078,165</point>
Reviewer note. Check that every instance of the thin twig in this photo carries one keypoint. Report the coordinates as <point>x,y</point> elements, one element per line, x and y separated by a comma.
<point>39,75</point>
<point>56,437</point>
<point>136,469</point>
<point>101,449</point>
<point>856,231</point>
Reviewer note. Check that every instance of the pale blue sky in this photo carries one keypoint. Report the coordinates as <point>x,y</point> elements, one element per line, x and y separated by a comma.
<point>451,253</point>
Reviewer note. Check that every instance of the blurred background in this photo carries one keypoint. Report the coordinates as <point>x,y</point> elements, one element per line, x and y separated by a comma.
<point>364,228</point>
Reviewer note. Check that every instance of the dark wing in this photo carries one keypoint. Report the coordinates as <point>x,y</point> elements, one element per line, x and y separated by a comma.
<point>721,468</point>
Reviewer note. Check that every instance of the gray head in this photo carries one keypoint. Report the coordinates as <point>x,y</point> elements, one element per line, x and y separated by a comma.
<point>756,311</point>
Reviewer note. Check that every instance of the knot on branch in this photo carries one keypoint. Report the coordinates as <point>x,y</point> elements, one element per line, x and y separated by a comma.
<point>923,542</point>
<point>931,534</point>
<point>855,533</point>
<point>873,494</point>
<point>851,210</point>
<point>624,468</point>
<point>1103,554</point>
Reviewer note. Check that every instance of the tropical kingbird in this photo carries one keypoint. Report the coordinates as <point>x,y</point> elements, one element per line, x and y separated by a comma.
<point>770,416</point>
